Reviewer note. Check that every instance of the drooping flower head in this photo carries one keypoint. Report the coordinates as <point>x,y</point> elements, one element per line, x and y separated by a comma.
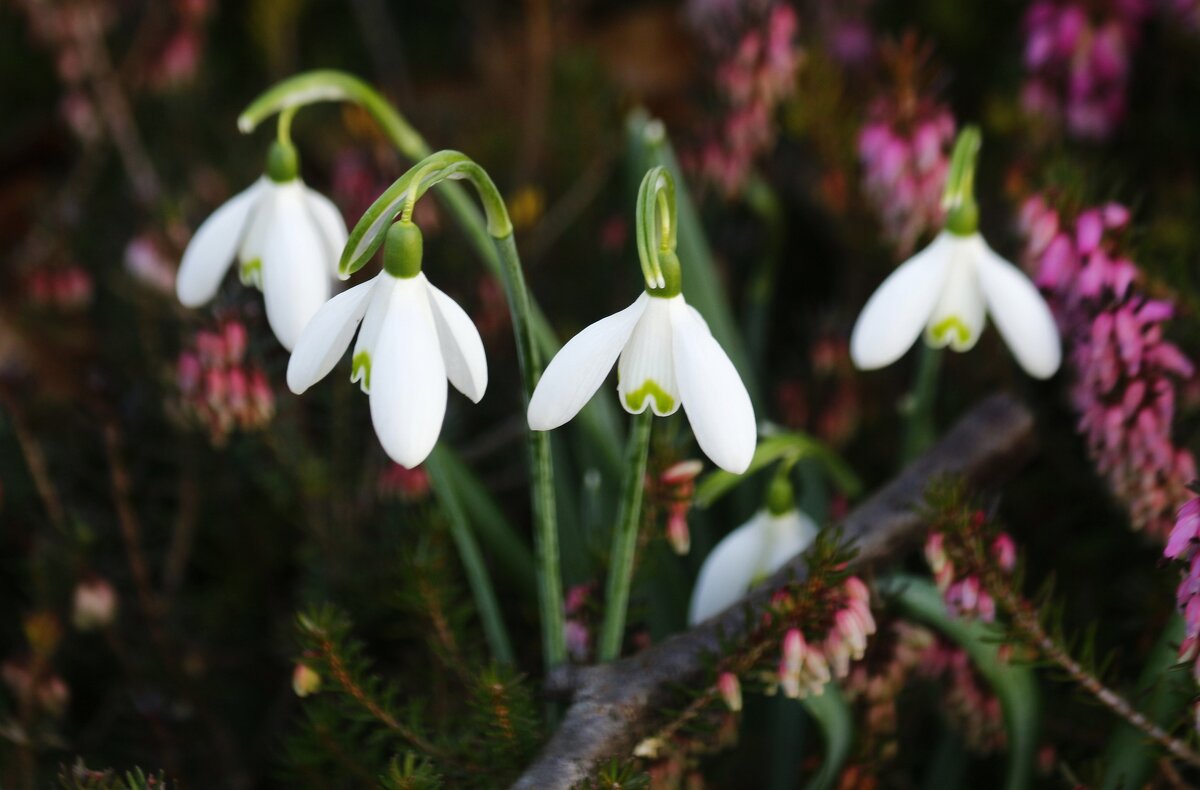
<point>665,355</point>
<point>286,239</point>
<point>947,290</point>
<point>412,339</point>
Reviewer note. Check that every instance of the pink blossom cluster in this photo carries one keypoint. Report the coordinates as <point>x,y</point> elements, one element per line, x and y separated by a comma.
<point>67,288</point>
<point>805,668</point>
<point>578,607</point>
<point>965,596</point>
<point>1078,65</point>
<point>177,58</point>
<point>407,485</point>
<point>1125,372</point>
<point>1184,545</point>
<point>752,78</point>
<point>220,390</point>
<point>905,158</point>
<point>671,492</point>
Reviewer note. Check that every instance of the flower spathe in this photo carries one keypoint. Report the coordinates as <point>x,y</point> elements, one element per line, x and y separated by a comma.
<point>746,556</point>
<point>666,357</point>
<point>287,240</point>
<point>413,339</point>
<point>946,291</point>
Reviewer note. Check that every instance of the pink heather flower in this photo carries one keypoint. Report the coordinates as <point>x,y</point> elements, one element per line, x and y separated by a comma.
<point>905,161</point>
<point>147,264</point>
<point>1182,545</point>
<point>218,390</point>
<point>758,56</point>
<point>305,680</point>
<point>677,530</point>
<point>730,690</point>
<point>1004,552</point>
<point>1125,372</point>
<point>1078,66</point>
<point>576,628</point>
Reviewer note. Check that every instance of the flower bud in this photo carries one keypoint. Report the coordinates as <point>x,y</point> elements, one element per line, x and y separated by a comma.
<point>731,690</point>
<point>95,605</point>
<point>305,680</point>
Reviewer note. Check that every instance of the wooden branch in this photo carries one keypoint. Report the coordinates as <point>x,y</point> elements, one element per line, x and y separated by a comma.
<point>613,706</point>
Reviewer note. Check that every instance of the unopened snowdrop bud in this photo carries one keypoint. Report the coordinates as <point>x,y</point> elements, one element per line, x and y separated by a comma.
<point>747,556</point>
<point>286,238</point>
<point>947,290</point>
<point>412,340</point>
<point>730,690</point>
<point>95,605</point>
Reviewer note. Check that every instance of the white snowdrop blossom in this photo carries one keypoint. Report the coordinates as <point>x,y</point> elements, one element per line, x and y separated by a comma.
<point>747,556</point>
<point>413,338</point>
<point>666,357</point>
<point>287,240</point>
<point>947,290</point>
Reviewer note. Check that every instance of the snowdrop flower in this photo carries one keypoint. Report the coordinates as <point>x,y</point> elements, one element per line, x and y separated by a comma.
<point>948,289</point>
<point>287,240</point>
<point>413,338</point>
<point>666,357</point>
<point>746,557</point>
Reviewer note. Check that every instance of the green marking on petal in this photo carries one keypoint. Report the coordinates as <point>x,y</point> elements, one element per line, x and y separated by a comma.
<point>361,370</point>
<point>250,273</point>
<point>950,324</point>
<point>650,389</point>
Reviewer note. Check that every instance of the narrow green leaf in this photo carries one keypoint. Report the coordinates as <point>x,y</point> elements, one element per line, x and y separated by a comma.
<point>1131,754</point>
<point>1014,684</point>
<point>837,726</point>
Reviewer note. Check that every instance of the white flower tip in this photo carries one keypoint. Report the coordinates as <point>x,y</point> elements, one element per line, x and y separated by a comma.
<point>296,381</point>
<point>539,419</point>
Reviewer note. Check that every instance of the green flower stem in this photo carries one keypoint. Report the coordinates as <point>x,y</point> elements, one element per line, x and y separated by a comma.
<point>541,466</point>
<point>624,543</point>
<point>440,477</point>
<point>919,427</point>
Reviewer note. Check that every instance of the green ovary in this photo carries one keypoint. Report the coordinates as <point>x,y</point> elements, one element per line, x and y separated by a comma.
<point>361,369</point>
<point>950,324</point>
<point>250,273</point>
<point>636,399</point>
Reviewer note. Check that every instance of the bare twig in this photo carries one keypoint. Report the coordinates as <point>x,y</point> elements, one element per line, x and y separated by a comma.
<point>613,706</point>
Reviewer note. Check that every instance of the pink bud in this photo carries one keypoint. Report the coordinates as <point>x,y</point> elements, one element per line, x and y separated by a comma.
<point>677,531</point>
<point>1004,550</point>
<point>731,690</point>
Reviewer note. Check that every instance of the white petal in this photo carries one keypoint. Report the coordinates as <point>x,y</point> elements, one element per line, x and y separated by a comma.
<point>580,367</point>
<point>462,347</point>
<point>714,397</point>
<point>646,370</point>
<point>958,318</point>
<point>408,379</point>
<point>729,569</point>
<point>1022,316</point>
<point>295,266</point>
<point>896,313</point>
<point>333,227</point>
<point>747,556</point>
<point>214,246</point>
<point>324,340</point>
<point>364,348</point>
<point>788,534</point>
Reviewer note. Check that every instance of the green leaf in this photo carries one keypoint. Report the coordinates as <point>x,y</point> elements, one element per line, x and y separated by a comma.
<point>837,726</point>
<point>1014,684</point>
<point>1131,754</point>
<point>789,447</point>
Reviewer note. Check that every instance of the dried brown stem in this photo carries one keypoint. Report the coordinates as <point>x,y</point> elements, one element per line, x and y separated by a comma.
<point>613,706</point>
